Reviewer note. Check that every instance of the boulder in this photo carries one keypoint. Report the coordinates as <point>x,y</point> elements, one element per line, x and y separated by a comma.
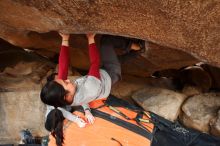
<point>163,102</point>
<point>199,110</point>
<point>191,90</point>
<point>130,84</point>
<point>23,76</point>
<point>21,110</point>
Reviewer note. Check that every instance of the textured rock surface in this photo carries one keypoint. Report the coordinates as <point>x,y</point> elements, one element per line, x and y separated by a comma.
<point>20,84</point>
<point>21,70</point>
<point>191,90</point>
<point>199,110</point>
<point>130,84</point>
<point>191,26</point>
<point>155,58</point>
<point>11,55</point>
<point>167,58</point>
<point>215,125</point>
<point>23,76</point>
<point>163,102</point>
<point>20,110</point>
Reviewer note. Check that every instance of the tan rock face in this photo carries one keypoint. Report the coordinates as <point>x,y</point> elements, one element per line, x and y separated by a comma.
<point>155,57</point>
<point>20,84</point>
<point>128,85</point>
<point>191,26</point>
<point>215,125</point>
<point>163,102</point>
<point>166,58</point>
<point>23,76</point>
<point>191,90</point>
<point>199,110</point>
<point>21,110</point>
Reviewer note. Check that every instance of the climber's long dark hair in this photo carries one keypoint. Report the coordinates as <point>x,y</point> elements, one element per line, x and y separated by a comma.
<point>53,93</point>
<point>54,124</point>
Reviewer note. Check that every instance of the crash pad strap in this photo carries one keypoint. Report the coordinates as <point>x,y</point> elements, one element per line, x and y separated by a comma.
<point>122,123</point>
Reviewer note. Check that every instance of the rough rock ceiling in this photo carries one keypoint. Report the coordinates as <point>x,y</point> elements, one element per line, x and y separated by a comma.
<point>192,26</point>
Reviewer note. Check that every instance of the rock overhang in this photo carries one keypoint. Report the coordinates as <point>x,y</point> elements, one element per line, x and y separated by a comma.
<point>191,26</point>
